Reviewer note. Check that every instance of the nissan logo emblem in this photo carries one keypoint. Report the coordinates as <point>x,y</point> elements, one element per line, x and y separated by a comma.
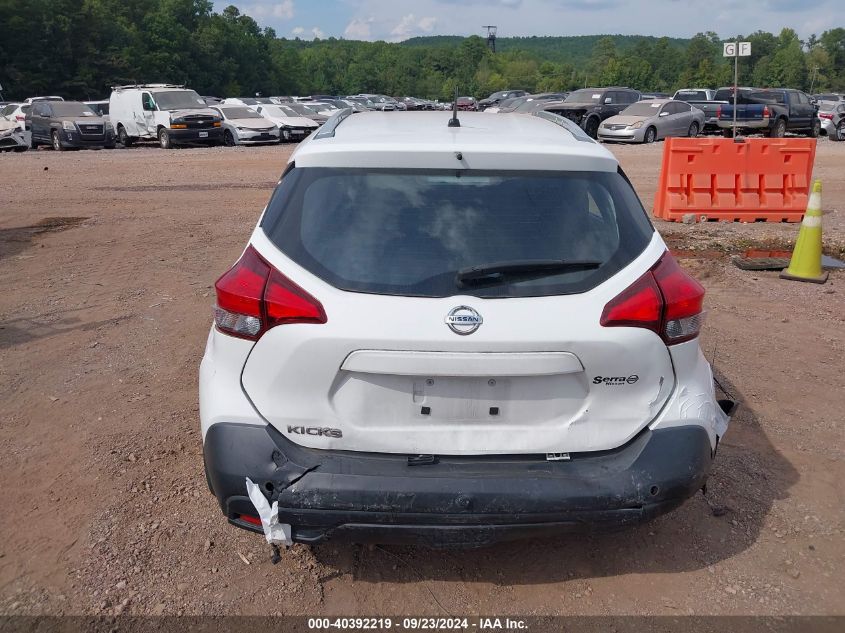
<point>463,320</point>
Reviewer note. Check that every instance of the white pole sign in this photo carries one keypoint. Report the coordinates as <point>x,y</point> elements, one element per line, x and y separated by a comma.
<point>736,49</point>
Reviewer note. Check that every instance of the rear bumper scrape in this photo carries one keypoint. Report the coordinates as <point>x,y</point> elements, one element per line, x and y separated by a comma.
<point>457,501</point>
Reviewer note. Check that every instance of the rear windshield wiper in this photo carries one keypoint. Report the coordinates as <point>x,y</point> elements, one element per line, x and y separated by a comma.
<point>501,272</point>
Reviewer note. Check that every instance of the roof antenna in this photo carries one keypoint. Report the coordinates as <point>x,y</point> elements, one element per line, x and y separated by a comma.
<point>453,122</point>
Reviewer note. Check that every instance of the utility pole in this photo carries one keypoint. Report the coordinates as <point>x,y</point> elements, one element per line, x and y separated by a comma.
<point>813,79</point>
<point>491,36</point>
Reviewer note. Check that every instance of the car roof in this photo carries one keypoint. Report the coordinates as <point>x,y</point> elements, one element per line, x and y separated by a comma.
<point>423,140</point>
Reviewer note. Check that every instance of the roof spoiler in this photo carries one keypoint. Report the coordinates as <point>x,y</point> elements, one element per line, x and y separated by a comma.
<point>562,121</point>
<point>329,127</point>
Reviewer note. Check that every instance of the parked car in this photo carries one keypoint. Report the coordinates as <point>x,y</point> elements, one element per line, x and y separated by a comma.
<point>171,114</point>
<point>588,107</point>
<point>830,96</point>
<point>364,103</point>
<point>100,107</point>
<point>68,124</point>
<point>309,113</point>
<point>514,105</point>
<point>651,120</point>
<point>705,100</point>
<point>773,111</point>
<point>31,100</point>
<point>497,97</point>
<point>16,112</point>
<point>320,107</point>
<point>467,103</point>
<point>832,117</point>
<point>381,102</point>
<point>292,127</point>
<point>454,347</point>
<point>244,126</point>
<point>12,136</point>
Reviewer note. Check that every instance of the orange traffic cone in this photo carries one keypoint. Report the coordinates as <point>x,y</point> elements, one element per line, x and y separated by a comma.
<point>806,262</point>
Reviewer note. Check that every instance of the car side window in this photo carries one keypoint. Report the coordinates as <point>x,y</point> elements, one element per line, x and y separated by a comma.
<point>147,102</point>
<point>681,107</point>
<point>803,99</point>
<point>630,97</point>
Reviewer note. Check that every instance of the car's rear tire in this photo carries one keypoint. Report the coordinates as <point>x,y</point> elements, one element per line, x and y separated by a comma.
<point>591,127</point>
<point>650,135</point>
<point>692,132</point>
<point>816,130</point>
<point>123,138</point>
<point>228,139</point>
<point>164,139</point>
<point>56,141</point>
<point>779,129</point>
<point>839,132</point>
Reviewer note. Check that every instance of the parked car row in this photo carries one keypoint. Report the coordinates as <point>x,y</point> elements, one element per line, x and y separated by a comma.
<point>621,114</point>
<point>174,115</point>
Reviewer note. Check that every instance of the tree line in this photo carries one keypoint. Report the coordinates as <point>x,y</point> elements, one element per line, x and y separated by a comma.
<point>80,48</point>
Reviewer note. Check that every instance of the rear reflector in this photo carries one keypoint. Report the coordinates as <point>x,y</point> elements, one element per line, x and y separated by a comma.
<point>253,297</point>
<point>665,300</point>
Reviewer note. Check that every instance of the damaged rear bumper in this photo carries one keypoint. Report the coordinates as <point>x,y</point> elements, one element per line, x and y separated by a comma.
<point>456,501</point>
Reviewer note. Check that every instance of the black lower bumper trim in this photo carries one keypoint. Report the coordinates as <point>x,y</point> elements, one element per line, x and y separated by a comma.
<point>457,501</point>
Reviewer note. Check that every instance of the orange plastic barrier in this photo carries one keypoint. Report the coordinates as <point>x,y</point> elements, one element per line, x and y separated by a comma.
<point>760,179</point>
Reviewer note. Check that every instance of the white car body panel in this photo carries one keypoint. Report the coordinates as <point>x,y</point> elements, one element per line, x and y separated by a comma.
<point>560,382</point>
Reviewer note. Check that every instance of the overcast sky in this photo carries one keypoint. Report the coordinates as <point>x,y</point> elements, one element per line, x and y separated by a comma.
<point>396,20</point>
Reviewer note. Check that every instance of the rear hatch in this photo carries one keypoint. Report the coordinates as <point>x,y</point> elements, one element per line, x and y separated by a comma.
<point>462,312</point>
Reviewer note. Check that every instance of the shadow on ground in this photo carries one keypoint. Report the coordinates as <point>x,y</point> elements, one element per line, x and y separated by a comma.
<point>17,239</point>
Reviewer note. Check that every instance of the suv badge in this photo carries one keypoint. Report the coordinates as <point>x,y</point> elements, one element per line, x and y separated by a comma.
<point>463,320</point>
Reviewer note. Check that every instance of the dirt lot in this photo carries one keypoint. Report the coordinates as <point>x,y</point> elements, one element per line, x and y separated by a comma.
<point>107,261</point>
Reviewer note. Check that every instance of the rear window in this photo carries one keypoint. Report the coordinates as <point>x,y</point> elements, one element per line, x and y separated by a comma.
<point>727,94</point>
<point>767,96</point>
<point>409,232</point>
<point>691,95</point>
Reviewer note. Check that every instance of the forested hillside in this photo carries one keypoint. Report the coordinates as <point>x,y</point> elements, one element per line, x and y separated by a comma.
<point>79,48</point>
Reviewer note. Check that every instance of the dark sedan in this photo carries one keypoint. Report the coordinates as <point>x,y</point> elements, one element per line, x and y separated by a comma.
<point>68,124</point>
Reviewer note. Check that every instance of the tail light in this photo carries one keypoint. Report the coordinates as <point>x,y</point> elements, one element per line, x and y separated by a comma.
<point>719,112</point>
<point>253,297</point>
<point>765,112</point>
<point>18,117</point>
<point>825,115</point>
<point>666,300</point>
<point>248,518</point>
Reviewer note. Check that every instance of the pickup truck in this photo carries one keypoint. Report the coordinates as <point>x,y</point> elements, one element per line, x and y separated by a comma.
<point>705,100</point>
<point>772,111</point>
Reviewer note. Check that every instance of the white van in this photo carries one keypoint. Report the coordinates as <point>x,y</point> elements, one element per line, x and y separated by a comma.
<point>169,113</point>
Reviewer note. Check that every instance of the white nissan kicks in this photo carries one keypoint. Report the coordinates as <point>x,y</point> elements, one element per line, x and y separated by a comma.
<point>454,334</point>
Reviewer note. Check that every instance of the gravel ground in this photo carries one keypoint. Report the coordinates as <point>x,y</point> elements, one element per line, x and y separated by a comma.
<point>107,261</point>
